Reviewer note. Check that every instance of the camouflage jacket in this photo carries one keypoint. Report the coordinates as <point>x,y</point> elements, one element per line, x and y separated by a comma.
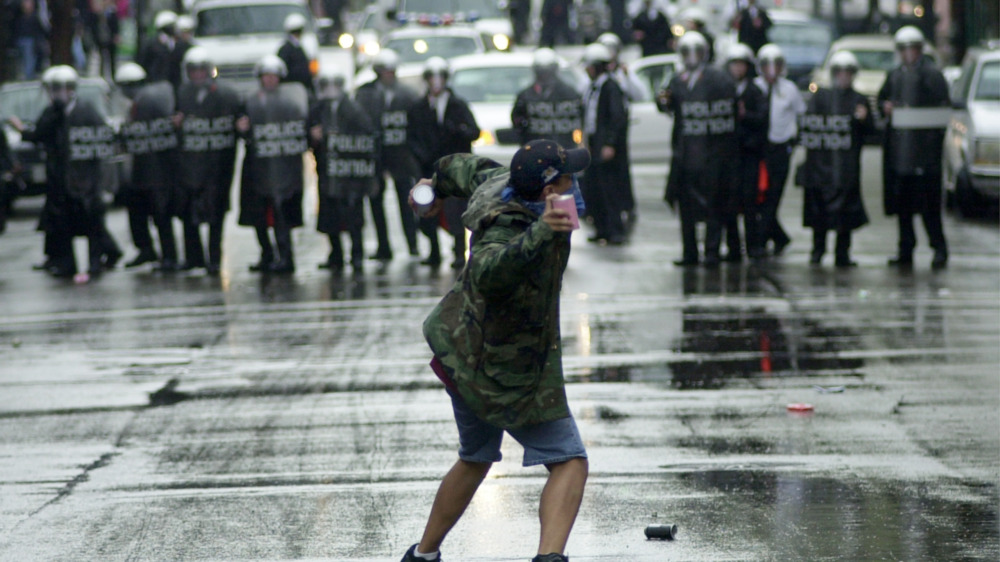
<point>497,331</point>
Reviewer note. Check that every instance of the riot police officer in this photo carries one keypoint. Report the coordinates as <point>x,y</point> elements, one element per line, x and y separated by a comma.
<point>703,102</point>
<point>76,137</point>
<point>344,142</point>
<point>150,138</point>
<point>206,119</point>
<point>157,56</point>
<point>438,125</point>
<point>549,108</point>
<point>387,102</point>
<point>291,52</point>
<point>915,98</point>
<point>751,138</point>
<point>274,129</point>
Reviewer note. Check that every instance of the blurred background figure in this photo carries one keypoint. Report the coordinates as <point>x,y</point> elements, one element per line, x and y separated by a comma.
<point>156,57</point>
<point>651,30</point>
<point>752,24</point>
<point>30,37</point>
<point>108,36</point>
<point>556,23</point>
<point>292,53</point>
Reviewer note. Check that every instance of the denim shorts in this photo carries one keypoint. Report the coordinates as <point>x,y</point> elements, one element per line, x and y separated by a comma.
<point>546,443</point>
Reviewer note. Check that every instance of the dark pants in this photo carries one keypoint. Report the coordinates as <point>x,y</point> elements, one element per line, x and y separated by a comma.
<point>753,220</point>
<point>929,209</point>
<point>403,177</point>
<point>140,211</point>
<point>842,251</point>
<point>689,239</point>
<point>776,158</point>
<point>282,240</point>
<point>194,252</point>
<point>350,214</point>
<point>375,202</point>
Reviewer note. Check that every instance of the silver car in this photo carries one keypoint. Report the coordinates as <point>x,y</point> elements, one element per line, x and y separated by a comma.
<point>972,141</point>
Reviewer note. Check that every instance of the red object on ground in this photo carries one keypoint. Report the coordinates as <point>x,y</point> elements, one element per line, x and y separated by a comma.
<point>800,408</point>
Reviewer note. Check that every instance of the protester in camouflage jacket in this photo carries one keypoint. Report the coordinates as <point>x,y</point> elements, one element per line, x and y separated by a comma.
<point>496,332</point>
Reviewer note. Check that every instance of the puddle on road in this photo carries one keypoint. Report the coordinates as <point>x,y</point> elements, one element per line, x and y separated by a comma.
<point>811,518</point>
<point>723,343</point>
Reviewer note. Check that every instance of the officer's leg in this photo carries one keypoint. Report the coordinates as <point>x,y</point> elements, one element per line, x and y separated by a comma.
<point>935,229</point>
<point>355,223</point>
<point>907,238</point>
<point>819,245</point>
<point>62,258</point>
<point>194,252</point>
<point>377,205</point>
<point>777,169</point>
<point>266,250</point>
<point>429,226</point>
<point>844,248</point>
<point>111,252</point>
<point>139,211</point>
<point>453,209</point>
<point>168,243</point>
<point>403,183</point>
<point>215,227</point>
<point>734,250</point>
<point>713,238</point>
<point>283,240</point>
<point>689,237</point>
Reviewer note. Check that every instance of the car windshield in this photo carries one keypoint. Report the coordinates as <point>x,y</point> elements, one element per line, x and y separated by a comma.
<point>482,8</point>
<point>800,35</point>
<point>876,60</point>
<point>988,87</point>
<point>28,102</point>
<point>239,20</point>
<point>497,84</point>
<point>419,49</point>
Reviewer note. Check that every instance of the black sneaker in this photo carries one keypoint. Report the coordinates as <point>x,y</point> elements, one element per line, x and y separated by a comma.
<point>410,557</point>
<point>551,557</point>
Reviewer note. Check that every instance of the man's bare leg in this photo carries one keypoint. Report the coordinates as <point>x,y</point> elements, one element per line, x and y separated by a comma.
<point>560,503</point>
<point>453,496</point>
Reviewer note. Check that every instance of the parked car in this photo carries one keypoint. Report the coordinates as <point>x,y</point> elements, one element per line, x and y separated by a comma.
<point>487,16</point>
<point>972,141</point>
<point>26,101</point>
<point>876,55</point>
<point>239,33</point>
<point>804,40</point>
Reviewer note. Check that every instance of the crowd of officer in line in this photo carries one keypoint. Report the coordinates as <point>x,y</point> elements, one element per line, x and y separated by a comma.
<point>733,138</point>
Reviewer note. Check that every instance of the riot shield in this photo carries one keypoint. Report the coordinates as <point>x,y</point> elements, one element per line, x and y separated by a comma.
<point>151,129</point>
<point>277,140</point>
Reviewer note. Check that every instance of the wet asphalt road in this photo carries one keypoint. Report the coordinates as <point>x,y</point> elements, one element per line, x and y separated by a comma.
<point>303,422</point>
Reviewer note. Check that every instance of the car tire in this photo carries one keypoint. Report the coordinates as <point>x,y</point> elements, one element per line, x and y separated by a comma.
<point>967,201</point>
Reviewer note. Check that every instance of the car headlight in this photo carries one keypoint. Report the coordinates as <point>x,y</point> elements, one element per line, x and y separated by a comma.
<point>501,42</point>
<point>987,152</point>
<point>486,138</point>
<point>370,48</point>
<point>346,40</point>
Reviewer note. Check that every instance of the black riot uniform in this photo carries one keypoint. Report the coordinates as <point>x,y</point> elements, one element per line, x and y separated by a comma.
<point>431,136</point>
<point>833,137</point>
<point>548,111</point>
<point>703,103</point>
<point>272,179</point>
<point>77,138</point>
<point>751,138</point>
<point>388,107</point>
<point>912,157</point>
<point>606,124</point>
<point>150,137</point>
<point>7,168</point>
<point>157,57</point>
<point>297,61</point>
<point>346,167</point>
<point>208,153</point>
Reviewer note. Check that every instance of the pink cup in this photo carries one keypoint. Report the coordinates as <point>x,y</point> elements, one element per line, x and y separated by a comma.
<point>568,204</point>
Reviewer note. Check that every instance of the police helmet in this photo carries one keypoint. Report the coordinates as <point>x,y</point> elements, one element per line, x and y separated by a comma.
<point>545,59</point>
<point>63,75</point>
<point>386,59</point>
<point>843,60</point>
<point>198,57</point>
<point>739,52</point>
<point>271,64</point>
<point>436,66</point>
<point>692,41</point>
<point>48,74</point>
<point>596,53</point>
<point>129,73</point>
<point>611,41</point>
<point>184,23</point>
<point>164,19</point>
<point>908,36</point>
<point>295,22</point>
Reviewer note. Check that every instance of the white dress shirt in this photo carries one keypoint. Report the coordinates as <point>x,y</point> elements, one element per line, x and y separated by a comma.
<point>786,105</point>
